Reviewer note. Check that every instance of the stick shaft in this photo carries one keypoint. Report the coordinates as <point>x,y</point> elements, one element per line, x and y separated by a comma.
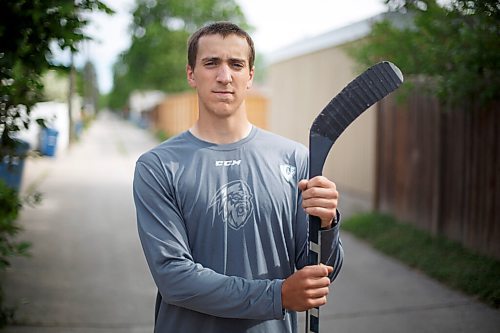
<point>314,258</point>
<point>365,90</point>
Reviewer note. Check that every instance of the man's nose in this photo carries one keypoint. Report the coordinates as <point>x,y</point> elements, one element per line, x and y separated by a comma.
<point>224,74</point>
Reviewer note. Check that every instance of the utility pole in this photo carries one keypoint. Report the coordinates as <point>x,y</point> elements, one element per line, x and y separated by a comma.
<point>70,100</point>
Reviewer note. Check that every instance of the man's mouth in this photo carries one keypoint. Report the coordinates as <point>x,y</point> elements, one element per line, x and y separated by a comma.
<point>223,95</point>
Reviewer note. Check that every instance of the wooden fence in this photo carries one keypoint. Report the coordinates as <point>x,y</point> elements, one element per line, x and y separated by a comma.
<point>440,169</point>
<point>178,112</point>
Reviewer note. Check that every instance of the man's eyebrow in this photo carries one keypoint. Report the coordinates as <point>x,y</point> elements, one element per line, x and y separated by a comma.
<point>237,60</point>
<point>210,59</point>
<point>206,59</point>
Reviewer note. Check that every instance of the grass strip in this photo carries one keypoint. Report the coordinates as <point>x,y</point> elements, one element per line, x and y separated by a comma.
<point>444,260</point>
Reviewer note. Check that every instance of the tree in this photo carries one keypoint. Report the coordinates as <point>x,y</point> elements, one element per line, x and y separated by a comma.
<point>157,56</point>
<point>457,45</point>
<point>28,30</point>
<point>88,88</point>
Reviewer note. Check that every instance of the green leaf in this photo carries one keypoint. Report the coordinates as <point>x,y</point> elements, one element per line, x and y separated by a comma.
<point>27,28</point>
<point>456,45</point>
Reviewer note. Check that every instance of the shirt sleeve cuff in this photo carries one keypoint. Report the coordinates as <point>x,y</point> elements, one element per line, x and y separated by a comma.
<point>335,222</point>
<point>279,312</point>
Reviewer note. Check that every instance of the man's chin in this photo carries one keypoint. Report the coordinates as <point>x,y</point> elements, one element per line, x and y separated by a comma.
<point>223,109</point>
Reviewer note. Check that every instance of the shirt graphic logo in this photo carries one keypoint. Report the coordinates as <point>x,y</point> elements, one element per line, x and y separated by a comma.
<point>227,163</point>
<point>234,202</point>
<point>287,171</point>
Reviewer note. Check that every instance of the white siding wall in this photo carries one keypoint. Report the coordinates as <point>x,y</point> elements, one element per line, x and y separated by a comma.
<point>300,88</point>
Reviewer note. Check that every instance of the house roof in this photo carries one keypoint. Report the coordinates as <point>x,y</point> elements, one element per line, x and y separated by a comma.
<point>333,38</point>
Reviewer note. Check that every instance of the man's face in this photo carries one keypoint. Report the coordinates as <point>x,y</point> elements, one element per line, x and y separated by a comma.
<point>221,75</point>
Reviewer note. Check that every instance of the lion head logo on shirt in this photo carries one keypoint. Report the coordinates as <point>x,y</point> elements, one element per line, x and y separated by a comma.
<point>234,202</point>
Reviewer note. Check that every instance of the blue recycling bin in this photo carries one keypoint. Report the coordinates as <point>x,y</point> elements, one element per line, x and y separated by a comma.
<point>11,167</point>
<point>48,141</point>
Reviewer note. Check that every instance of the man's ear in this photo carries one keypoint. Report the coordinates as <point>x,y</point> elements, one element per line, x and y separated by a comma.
<point>190,76</point>
<point>250,81</point>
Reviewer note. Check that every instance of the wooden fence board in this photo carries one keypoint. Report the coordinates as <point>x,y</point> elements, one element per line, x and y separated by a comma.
<point>440,169</point>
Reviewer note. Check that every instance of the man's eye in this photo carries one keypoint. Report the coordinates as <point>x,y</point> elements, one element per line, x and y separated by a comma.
<point>238,65</point>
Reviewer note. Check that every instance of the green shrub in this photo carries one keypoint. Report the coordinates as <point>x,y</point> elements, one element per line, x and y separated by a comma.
<point>10,205</point>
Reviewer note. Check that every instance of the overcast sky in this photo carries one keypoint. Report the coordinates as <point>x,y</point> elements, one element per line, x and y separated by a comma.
<point>278,23</point>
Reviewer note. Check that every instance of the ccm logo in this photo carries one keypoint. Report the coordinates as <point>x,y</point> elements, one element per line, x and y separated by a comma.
<point>227,163</point>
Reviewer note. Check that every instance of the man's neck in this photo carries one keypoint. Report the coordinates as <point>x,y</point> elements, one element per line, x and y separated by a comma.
<point>223,132</point>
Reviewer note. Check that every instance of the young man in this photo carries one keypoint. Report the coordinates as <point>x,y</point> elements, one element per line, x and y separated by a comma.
<point>221,208</point>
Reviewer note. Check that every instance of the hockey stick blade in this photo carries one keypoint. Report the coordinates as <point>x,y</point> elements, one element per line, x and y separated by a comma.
<point>368,88</point>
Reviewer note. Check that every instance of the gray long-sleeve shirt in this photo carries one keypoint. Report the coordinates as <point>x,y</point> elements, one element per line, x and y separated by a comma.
<point>221,227</point>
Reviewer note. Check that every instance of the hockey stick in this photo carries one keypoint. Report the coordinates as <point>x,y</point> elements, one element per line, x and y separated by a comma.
<point>364,91</point>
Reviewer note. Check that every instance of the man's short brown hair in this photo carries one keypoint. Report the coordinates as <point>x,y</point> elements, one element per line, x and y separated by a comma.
<point>218,28</point>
